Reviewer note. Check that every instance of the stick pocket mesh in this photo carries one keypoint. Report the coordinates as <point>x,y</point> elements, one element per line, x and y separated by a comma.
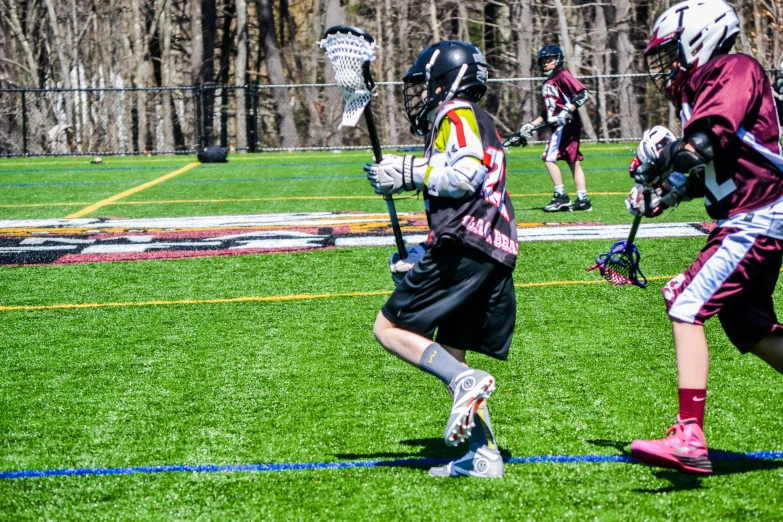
<point>348,53</point>
<point>620,266</point>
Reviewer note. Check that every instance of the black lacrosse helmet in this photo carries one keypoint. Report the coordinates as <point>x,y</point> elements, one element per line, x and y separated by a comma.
<point>548,51</point>
<point>441,72</point>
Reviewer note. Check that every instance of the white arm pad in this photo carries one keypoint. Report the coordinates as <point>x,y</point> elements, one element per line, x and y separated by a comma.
<point>456,181</point>
<point>458,172</point>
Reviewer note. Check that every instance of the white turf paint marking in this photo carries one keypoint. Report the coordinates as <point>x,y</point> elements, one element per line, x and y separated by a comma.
<point>297,239</point>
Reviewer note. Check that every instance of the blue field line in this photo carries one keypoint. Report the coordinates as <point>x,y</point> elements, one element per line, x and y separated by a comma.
<point>66,183</point>
<point>86,169</point>
<point>354,464</point>
<point>233,180</point>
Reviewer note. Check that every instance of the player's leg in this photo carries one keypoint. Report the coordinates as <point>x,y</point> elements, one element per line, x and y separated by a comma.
<point>582,201</point>
<point>440,283</point>
<point>684,448</point>
<point>497,304</point>
<point>483,458</point>
<point>770,350</point>
<point>482,434</point>
<point>560,201</point>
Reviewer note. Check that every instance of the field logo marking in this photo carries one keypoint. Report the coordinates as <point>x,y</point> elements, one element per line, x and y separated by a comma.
<point>108,201</point>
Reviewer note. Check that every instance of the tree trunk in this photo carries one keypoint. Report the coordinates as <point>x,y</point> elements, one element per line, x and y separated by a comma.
<point>434,22</point>
<point>166,101</point>
<point>225,61</point>
<point>630,126</point>
<point>274,65</point>
<point>522,14</point>
<point>240,71</point>
<point>601,67</point>
<point>65,74</point>
<point>335,15</point>
<point>209,27</point>
<point>12,17</point>
<point>392,110</point>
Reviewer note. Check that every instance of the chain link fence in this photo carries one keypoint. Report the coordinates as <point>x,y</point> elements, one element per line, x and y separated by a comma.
<point>258,118</point>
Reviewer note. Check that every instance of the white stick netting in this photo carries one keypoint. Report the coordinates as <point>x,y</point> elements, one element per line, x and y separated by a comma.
<point>348,52</point>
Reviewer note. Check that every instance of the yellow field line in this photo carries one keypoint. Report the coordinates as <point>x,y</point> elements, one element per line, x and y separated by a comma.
<point>112,199</point>
<point>248,299</point>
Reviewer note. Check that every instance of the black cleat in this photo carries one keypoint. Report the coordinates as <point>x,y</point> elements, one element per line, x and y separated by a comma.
<point>582,204</point>
<point>559,203</point>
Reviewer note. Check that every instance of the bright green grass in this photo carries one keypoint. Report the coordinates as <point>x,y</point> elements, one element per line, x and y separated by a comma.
<point>591,368</point>
<point>268,183</point>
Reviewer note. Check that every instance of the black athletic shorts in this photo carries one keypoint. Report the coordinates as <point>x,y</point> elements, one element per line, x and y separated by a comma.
<point>461,292</point>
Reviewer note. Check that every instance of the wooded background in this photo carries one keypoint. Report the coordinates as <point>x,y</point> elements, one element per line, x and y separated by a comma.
<point>100,44</point>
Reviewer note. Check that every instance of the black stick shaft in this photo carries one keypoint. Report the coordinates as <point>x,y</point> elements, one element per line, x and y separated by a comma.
<point>376,149</point>
<point>634,228</point>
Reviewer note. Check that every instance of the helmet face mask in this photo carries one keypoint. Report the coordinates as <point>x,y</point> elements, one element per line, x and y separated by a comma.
<point>441,72</point>
<point>665,65</point>
<point>545,56</point>
<point>684,38</point>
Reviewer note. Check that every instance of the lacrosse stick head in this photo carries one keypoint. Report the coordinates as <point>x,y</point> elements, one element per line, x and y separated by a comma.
<point>620,266</point>
<point>350,50</point>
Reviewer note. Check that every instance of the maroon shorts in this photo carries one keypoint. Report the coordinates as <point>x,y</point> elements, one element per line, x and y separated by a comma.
<point>564,144</point>
<point>734,277</point>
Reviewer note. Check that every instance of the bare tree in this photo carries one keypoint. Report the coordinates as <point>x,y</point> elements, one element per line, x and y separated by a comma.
<point>240,72</point>
<point>287,125</point>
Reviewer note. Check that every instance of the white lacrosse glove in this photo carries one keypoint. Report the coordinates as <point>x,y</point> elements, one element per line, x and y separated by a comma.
<point>388,176</point>
<point>565,116</point>
<point>526,131</point>
<point>652,202</point>
<point>642,167</point>
<point>400,267</point>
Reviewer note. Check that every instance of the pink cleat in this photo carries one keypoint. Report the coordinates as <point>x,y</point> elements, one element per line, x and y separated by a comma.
<point>684,449</point>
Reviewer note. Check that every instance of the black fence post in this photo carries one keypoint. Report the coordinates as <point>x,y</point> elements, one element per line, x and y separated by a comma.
<point>197,102</point>
<point>24,123</point>
<point>252,127</point>
<point>598,108</point>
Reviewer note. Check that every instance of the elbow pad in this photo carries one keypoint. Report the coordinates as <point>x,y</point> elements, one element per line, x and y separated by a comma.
<point>675,157</point>
<point>580,98</point>
<point>454,181</point>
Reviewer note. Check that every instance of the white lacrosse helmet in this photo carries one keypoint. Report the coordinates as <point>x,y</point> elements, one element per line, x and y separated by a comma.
<point>688,33</point>
<point>653,140</point>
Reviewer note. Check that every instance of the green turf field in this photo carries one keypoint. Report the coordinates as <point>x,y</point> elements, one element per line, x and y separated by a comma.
<point>207,377</point>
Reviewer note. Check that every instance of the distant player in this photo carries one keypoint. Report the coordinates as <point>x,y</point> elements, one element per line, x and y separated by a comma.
<point>730,155</point>
<point>462,286</point>
<point>563,95</point>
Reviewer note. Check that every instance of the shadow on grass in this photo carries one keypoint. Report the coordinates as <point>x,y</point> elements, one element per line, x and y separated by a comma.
<point>430,449</point>
<point>723,463</point>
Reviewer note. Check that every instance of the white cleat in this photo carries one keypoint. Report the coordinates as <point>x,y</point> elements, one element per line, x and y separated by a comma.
<point>470,389</point>
<point>482,463</point>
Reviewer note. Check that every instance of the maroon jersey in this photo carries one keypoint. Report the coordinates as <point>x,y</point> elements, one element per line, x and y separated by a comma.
<point>731,97</point>
<point>559,89</point>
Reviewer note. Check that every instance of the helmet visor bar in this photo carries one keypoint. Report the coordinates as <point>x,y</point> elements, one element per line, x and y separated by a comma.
<point>664,64</point>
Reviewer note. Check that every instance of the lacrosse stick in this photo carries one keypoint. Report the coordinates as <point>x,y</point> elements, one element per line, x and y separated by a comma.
<point>620,266</point>
<point>517,139</point>
<point>350,50</point>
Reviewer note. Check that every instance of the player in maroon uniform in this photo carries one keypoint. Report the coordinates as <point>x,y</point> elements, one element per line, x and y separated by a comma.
<point>563,95</point>
<point>730,155</point>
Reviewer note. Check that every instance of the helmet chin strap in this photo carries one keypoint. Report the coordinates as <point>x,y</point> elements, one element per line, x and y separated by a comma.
<point>428,68</point>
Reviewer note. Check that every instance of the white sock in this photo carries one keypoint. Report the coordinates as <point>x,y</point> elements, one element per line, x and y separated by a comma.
<point>581,194</point>
<point>560,190</point>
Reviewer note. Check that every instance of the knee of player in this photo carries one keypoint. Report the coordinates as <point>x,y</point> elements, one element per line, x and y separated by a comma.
<point>381,328</point>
